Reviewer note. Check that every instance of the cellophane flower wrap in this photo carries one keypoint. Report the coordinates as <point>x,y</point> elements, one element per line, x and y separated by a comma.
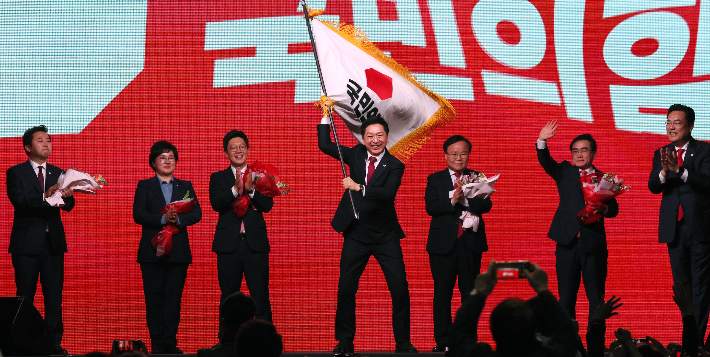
<point>599,187</point>
<point>163,241</point>
<point>78,181</point>
<point>265,178</point>
<point>474,185</point>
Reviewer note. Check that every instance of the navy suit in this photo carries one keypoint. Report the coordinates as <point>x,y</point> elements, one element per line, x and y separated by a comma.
<point>37,240</point>
<point>376,233</point>
<point>689,239</point>
<point>237,254</point>
<point>449,255</point>
<point>581,248</point>
<point>163,277</point>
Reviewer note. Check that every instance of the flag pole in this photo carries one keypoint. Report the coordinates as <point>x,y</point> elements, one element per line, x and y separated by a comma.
<point>330,111</point>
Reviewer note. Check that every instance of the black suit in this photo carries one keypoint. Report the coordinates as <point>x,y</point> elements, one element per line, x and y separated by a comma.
<point>450,255</point>
<point>163,277</point>
<point>377,232</point>
<point>37,240</point>
<point>239,255</point>
<point>688,240</point>
<point>581,248</point>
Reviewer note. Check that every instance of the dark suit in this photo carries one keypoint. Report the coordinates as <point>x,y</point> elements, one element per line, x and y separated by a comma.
<point>581,248</point>
<point>163,277</point>
<point>239,255</point>
<point>37,240</point>
<point>449,255</point>
<point>376,233</point>
<point>688,240</point>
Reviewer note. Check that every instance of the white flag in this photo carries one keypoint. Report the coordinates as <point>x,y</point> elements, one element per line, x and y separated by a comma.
<point>364,83</point>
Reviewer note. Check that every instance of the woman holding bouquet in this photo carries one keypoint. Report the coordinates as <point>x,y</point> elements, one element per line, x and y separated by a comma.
<point>164,276</point>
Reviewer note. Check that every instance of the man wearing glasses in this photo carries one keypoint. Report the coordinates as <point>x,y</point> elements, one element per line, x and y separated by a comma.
<point>581,248</point>
<point>241,243</point>
<point>453,251</point>
<point>681,172</point>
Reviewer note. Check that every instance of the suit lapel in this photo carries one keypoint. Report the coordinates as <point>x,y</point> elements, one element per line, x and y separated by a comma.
<point>157,192</point>
<point>178,190</point>
<point>381,167</point>
<point>690,153</point>
<point>30,175</point>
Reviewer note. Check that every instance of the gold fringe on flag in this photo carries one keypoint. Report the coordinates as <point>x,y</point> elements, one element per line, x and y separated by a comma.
<point>407,146</point>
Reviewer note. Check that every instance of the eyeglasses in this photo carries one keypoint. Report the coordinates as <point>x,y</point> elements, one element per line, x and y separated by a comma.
<point>167,158</point>
<point>457,154</point>
<point>240,147</point>
<point>582,150</point>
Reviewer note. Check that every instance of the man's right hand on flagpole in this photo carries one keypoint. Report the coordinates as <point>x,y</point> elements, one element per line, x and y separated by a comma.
<point>349,184</point>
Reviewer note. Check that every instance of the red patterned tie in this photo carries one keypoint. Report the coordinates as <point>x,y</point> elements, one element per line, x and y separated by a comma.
<point>680,163</point>
<point>371,168</point>
<point>241,176</point>
<point>40,176</point>
<point>458,176</point>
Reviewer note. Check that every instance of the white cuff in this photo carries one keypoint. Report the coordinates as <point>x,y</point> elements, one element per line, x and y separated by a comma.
<point>542,145</point>
<point>661,177</point>
<point>325,120</point>
<point>234,192</point>
<point>684,176</point>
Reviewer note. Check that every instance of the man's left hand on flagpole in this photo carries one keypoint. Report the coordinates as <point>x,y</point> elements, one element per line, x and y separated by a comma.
<point>349,184</point>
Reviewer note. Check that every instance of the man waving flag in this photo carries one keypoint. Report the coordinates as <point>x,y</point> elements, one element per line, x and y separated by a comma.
<point>365,83</point>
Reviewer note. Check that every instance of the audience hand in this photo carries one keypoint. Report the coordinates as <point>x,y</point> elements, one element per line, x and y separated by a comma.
<point>683,299</point>
<point>538,278</point>
<point>606,309</point>
<point>659,346</point>
<point>485,282</point>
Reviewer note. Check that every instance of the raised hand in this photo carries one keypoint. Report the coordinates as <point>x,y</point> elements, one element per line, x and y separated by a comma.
<point>683,298</point>
<point>485,282</point>
<point>538,278</point>
<point>548,131</point>
<point>606,309</point>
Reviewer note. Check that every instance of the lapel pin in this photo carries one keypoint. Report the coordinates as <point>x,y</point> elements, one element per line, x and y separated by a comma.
<point>384,165</point>
<point>691,154</point>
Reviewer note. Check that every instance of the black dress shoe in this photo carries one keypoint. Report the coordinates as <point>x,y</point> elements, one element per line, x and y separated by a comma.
<point>343,347</point>
<point>173,350</point>
<point>405,347</point>
<point>58,350</point>
<point>439,349</point>
<point>158,350</point>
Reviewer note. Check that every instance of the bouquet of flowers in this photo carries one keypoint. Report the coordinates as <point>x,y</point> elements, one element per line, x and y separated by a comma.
<point>265,178</point>
<point>163,241</point>
<point>77,181</point>
<point>474,185</point>
<point>599,187</point>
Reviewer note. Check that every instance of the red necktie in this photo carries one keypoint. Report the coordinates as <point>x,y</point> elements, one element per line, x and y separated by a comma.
<point>241,176</point>
<point>680,163</point>
<point>371,168</point>
<point>41,178</point>
<point>458,176</point>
